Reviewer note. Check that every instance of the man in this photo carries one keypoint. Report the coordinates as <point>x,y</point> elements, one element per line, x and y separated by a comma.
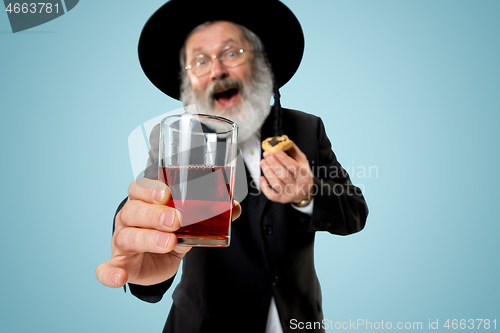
<point>232,60</point>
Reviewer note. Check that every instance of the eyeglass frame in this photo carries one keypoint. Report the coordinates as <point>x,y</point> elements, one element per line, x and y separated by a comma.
<point>240,51</point>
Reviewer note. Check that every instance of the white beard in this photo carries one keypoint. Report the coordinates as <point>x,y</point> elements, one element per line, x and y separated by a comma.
<point>250,114</point>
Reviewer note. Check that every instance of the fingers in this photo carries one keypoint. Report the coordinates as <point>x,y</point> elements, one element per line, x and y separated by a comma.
<point>275,179</point>
<point>111,274</point>
<point>283,165</point>
<point>273,169</point>
<point>137,213</point>
<point>136,240</point>
<point>286,177</point>
<point>150,191</point>
<point>271,193</point>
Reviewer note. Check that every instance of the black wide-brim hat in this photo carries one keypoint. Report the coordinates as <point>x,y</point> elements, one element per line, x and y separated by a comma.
<point>164,34</point>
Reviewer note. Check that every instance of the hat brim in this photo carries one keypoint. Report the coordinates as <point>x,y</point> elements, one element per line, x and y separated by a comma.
<point>164,34</point>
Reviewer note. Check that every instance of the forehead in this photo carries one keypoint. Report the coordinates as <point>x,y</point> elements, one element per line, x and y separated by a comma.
<point>214,36</point>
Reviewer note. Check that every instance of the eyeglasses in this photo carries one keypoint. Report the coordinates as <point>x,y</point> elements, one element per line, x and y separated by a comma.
<point>229,56</point>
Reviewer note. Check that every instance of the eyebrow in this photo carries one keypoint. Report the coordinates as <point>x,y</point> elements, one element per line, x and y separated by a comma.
<point>224,42</point>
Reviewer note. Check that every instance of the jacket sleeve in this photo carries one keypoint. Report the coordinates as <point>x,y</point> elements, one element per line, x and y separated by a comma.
<point>339,206</point>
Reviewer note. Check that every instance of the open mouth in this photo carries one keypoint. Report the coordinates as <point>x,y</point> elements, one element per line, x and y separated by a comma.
<point>227,96</point>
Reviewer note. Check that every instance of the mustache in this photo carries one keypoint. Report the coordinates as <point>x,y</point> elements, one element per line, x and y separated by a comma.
<point>223,85</point>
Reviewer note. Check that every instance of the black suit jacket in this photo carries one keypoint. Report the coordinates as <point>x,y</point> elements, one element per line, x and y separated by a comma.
<point>271,252</point>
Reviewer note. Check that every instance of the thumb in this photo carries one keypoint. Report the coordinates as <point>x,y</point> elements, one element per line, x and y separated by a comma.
<point>111,274</point>
<point>236,209</point>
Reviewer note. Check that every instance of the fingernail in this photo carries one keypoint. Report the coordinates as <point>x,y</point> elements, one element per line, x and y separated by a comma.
<point>167,218</point>
<point>113,278</point>
<point>162,240</point>
<point>266,154</point>
<point>158,194</point>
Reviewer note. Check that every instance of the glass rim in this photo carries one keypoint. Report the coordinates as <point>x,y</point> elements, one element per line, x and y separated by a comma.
<point>233,125</point>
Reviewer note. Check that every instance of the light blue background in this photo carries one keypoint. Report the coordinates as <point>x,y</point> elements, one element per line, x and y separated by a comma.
<point>411,88</point>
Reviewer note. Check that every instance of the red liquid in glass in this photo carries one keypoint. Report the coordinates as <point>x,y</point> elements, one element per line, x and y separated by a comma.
<point>203,196</point>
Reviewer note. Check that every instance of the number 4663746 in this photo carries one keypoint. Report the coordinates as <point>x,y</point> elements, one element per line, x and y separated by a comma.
<point>32,8</point>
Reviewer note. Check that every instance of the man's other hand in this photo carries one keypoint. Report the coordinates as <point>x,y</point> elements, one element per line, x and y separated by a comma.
<point>289,178</point>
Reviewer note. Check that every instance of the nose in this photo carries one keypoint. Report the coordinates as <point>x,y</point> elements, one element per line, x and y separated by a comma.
<point>219,71</point>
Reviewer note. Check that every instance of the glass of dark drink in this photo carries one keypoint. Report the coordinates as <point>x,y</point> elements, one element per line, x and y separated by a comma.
<point>197,160</point>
